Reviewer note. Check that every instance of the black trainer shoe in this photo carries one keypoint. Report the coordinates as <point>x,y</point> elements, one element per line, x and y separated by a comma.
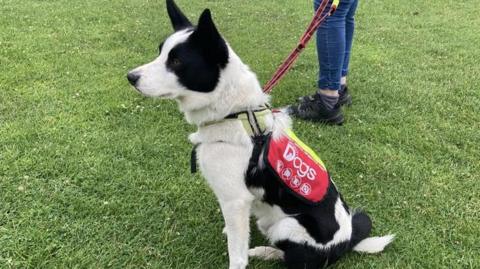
<point>314,108</point>
<point>344,98</point>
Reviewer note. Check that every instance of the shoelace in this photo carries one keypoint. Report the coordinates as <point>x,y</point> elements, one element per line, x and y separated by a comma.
<point>311,104</point>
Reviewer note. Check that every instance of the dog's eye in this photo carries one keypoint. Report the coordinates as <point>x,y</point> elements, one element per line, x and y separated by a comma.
<point>176,62</point>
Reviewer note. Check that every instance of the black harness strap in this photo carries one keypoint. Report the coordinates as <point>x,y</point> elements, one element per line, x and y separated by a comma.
<point>252,120</point>
<point>258,145</point>
<point>258,139</point>
<point>235,115</point>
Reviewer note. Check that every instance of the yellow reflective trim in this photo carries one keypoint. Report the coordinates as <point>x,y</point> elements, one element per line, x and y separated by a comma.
<point>261,118</point>
<point>260,115</point>
<point>310,152</point>
<point>246,125</point>
<point>335,3</point>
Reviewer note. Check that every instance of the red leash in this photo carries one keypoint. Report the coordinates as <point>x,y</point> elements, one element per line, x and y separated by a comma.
<point>317,20</point>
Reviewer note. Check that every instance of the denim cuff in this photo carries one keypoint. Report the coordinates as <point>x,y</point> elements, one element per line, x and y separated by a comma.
<point>325,84</point>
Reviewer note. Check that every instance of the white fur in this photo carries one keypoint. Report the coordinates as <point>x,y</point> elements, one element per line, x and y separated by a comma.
<point>289,228</point>
<point>225,149</point>
<point>267,216</point>
<point>266,253</point>
<point>374,244</point>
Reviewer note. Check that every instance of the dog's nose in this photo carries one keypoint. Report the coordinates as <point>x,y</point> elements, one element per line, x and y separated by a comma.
<point>133,78</point>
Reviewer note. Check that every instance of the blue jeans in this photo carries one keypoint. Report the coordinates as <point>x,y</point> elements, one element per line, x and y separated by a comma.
<point>334,43</point>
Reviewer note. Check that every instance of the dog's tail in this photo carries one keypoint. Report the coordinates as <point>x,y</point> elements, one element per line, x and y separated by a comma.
<point>362,226</point>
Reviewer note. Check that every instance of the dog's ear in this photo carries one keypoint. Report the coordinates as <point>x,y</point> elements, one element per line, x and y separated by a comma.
<point>207,37</point>
<point>178,19</point>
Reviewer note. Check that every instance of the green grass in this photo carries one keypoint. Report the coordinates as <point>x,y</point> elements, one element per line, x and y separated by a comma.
<point>92,175</point>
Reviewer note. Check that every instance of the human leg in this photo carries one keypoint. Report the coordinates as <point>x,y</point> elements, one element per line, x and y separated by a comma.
<point>331,45</point>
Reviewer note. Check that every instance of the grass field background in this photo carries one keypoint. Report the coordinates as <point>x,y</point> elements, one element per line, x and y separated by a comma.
<point>92,175</point>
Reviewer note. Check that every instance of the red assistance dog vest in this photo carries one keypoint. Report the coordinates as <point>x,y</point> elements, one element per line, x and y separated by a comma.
<point>297,167</point>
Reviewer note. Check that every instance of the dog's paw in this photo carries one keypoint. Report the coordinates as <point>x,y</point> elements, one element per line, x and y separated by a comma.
<point>266,253</point>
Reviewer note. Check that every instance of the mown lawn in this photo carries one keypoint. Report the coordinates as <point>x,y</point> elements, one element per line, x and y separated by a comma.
<point>92,175</point>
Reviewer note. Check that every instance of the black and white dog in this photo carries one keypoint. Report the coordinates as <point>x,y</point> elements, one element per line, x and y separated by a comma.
<point>197,68</point>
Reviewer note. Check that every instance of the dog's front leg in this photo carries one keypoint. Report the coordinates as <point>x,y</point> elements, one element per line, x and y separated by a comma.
<point>224,165</point>
<point>237,224</point>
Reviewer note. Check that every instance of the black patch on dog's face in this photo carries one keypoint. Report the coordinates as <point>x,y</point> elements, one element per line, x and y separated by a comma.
<point>198,61</point>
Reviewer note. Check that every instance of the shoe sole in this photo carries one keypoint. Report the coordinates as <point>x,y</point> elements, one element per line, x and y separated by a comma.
<point>337,120</point>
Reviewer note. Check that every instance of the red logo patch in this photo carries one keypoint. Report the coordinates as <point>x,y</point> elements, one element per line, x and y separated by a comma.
<point>295,166</point>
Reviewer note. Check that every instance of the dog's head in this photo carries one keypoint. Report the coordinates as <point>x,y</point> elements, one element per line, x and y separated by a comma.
<point>190,61</point>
